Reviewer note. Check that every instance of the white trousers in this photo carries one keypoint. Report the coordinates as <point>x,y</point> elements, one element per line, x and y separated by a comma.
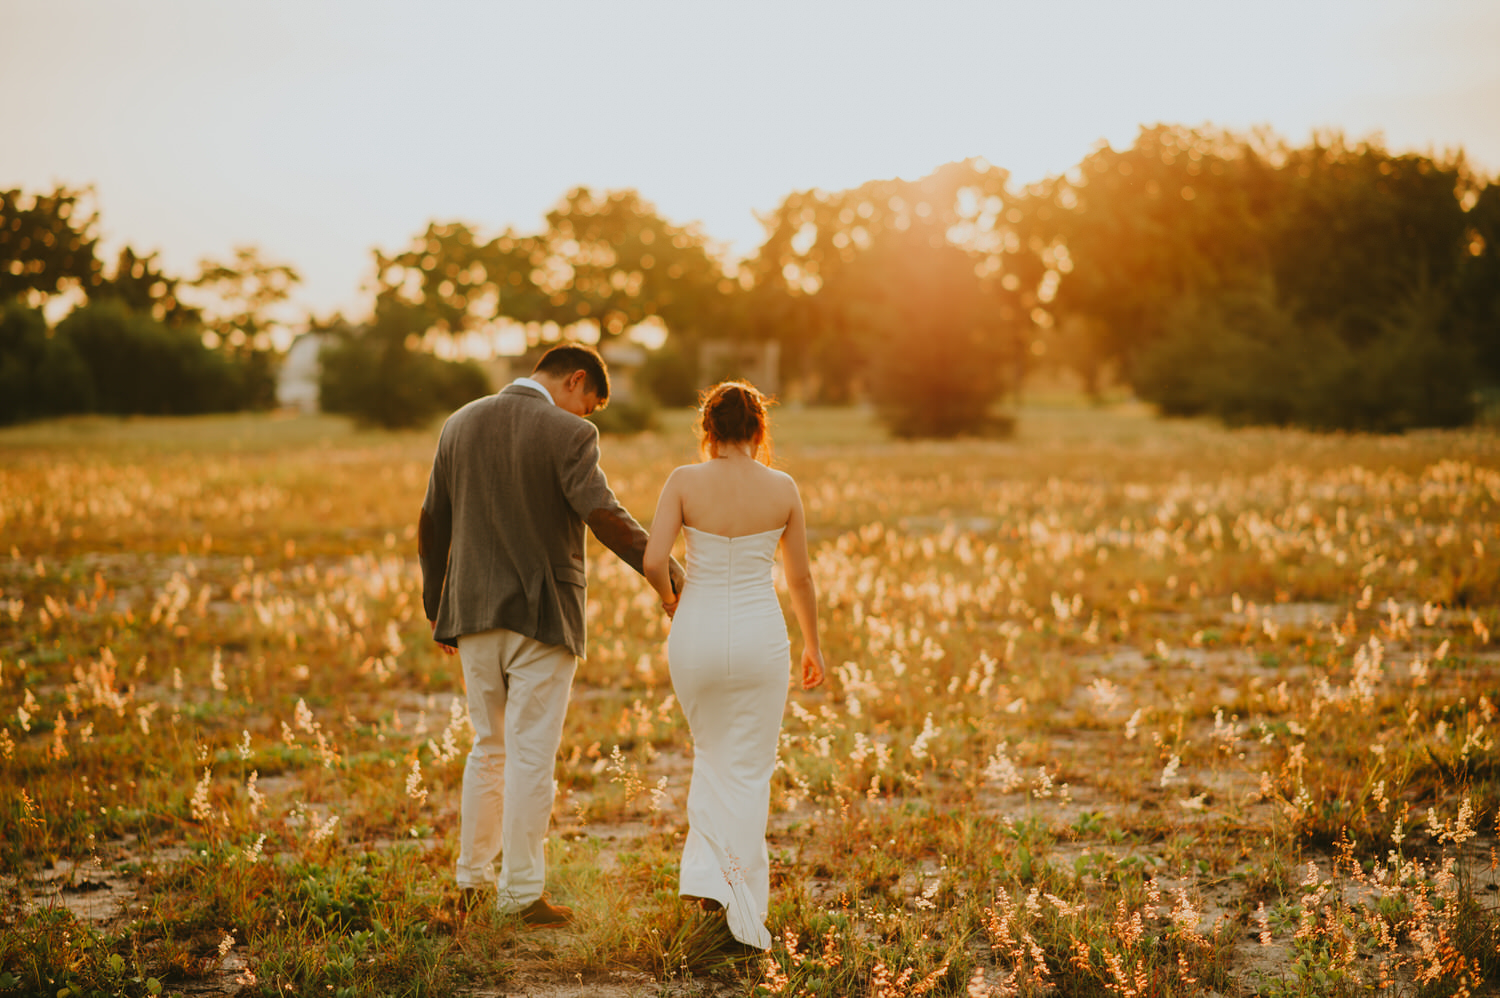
<point>518,695</point>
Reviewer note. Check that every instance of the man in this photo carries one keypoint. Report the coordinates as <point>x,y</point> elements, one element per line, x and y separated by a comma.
<point>515,478</point>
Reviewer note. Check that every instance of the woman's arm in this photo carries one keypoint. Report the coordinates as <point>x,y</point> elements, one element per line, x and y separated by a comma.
<point>665,526</point>
<point>799,582</point>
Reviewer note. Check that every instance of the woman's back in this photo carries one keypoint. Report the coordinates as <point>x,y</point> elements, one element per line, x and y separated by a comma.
<point>734,496</point>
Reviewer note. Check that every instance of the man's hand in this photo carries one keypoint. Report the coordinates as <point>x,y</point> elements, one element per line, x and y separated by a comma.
<point>678,578</point>
<point>447,649</point>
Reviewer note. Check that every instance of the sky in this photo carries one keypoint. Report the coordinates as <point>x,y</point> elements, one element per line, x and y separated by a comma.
<point>319,131</point>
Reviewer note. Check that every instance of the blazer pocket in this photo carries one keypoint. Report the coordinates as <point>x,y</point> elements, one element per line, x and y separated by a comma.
<point>571,574</point>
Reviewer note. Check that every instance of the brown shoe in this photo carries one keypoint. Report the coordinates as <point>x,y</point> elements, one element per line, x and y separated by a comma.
<point>543,914</point>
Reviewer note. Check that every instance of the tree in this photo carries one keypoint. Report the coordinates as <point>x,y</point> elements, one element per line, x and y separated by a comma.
<point>1477,283</point>
<point>1128,234</point>
<point>48,244</point>
<point>139,283</point>
<point>825,269</point>
<point>939,349</point>
<point>241,321</point>
<point>606,258</point>
<point>1356,230</point>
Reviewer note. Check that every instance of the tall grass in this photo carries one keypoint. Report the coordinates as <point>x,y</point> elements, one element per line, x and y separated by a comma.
<point>1117,707</point>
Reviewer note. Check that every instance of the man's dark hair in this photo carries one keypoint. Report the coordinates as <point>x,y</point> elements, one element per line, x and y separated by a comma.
<point>565,358</point>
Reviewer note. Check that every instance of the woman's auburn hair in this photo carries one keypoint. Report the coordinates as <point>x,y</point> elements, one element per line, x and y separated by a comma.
<point>734,412</point>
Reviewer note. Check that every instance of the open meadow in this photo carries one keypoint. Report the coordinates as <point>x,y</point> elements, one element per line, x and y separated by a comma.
<point>1115,707</point>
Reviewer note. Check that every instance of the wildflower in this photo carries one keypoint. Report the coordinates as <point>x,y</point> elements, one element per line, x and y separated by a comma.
<point>252,853</point>
<point>458,719</point>
<point>244,748</point>
<point>1169,772</point>
<point>1002,771</point>
<point>216,674</point>
<point>1043,783</point>
<point>24,712</point>
<point>1133,724</point>
<point>1184,915</point>
<point>226,944</point>
<point>1106,694</point>
<point>1264,921</point>
<point>304,716</point>
<point>414,788</point>
<point>919,745</point>
<point>325,830</point>
<point>658,794</point>
<point>31,814</point>
<point>199,806</point>
<point>59,748</point>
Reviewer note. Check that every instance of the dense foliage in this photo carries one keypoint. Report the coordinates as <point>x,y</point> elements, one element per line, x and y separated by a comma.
<point>1332,286</point>
<point>373,374</point>
<point>131,343</point>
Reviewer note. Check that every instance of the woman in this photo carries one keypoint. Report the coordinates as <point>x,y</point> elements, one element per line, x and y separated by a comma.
<point>728,649</point>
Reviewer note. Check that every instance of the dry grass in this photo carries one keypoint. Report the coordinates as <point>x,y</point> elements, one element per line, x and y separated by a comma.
<point>1117,707</point>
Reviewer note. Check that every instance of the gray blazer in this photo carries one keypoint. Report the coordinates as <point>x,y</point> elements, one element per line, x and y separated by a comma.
<point>513,481</point>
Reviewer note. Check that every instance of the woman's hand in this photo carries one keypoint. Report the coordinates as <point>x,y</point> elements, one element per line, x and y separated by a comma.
<point>812,668</point>
<point>671,608</point>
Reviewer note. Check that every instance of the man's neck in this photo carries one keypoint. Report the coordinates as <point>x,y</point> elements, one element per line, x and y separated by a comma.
<point>539,386</point>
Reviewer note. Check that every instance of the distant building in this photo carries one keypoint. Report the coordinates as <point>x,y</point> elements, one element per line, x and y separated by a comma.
<point>756,361</point>
<point>297,383</point>
<point>625,360</point>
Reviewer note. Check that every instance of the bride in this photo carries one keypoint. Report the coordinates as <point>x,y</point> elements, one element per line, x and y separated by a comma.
<point>728,649</point>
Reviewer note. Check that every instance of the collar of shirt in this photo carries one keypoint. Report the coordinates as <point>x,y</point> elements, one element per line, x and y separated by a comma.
<point>532,383</point>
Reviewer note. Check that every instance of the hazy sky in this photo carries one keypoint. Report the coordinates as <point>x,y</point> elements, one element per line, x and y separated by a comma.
<point>320,130</point>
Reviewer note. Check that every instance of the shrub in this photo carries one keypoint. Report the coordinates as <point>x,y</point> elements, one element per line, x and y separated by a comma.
<point>670,376</point>
<point>139,366</point>
<point>635,416</point>
<point>40,374</point>
<point>937,364</point>
<point>1246,359</point>
<point>384,383</point>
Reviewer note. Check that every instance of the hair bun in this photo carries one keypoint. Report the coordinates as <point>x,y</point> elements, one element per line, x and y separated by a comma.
<point>734,412</point>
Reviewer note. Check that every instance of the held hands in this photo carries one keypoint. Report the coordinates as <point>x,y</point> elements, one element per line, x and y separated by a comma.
<point>447,650</point>
<point>677,577</point>
<point>812,668</point>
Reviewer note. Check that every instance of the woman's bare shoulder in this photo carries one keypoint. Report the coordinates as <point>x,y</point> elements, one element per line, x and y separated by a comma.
<point>783,479</point>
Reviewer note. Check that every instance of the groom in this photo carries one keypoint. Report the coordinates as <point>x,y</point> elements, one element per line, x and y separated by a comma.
<point>515,478</point>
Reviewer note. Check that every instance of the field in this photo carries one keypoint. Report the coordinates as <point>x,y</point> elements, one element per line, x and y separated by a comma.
<point>1116,707</point>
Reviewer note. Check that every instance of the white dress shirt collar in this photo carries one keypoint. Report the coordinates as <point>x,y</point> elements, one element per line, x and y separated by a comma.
<point>533,383</point>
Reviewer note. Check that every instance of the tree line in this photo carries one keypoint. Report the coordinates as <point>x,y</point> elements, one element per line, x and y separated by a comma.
<point>1334,285</point>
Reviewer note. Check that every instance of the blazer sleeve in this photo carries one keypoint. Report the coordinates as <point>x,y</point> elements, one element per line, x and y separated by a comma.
<point>435,534</point>
<point>578,472</point>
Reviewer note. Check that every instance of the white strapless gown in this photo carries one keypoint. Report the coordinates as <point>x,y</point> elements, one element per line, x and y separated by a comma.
<point>730,661</point>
